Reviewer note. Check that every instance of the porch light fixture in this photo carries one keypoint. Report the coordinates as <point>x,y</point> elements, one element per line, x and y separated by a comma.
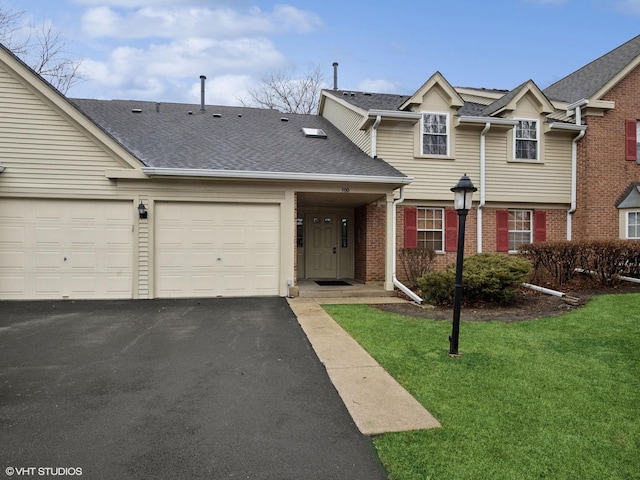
<point>142,210</point>
<point>463,198</point>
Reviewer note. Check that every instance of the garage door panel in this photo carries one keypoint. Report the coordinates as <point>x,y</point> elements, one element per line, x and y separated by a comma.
<point>48,260</point>
<point>66,248</point>
<point>223,247</point>
<point>11,235</point>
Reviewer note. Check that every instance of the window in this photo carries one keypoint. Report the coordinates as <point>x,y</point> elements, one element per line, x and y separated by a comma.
<point>300,232</point>
<point>431,228</point>
<point>633,225</point>
<point>526,140</point>
<point>519,228</point>
<point>435,139</point>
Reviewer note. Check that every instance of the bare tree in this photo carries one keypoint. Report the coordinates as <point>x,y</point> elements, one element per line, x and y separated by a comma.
<point>286,93</point>
<point>42,47</point>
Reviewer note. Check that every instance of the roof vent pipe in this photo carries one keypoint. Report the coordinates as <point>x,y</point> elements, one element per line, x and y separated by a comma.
<point>202,79</point>
<point>335,75</point>
<point>157,107</point>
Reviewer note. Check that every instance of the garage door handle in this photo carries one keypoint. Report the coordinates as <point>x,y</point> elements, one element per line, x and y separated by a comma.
<point>334,250</point>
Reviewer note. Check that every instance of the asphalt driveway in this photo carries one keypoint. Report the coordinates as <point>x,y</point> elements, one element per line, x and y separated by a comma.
<point>180,389</point>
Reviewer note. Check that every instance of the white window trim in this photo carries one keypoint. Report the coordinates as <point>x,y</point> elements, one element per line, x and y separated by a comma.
<point>626,226</point>
<point>522,231</point>
<point>418,230</point>
<point>538,139</point>
<point>422,152</point>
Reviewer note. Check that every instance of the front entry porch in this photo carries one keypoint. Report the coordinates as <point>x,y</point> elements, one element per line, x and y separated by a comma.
<point>308,288</point>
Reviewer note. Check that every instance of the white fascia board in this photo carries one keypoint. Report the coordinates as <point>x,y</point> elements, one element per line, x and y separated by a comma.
<point>275,176</point>
<point>485,120</point>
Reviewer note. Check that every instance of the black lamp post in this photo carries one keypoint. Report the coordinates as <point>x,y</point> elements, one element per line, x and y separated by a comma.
<point>463,198</point>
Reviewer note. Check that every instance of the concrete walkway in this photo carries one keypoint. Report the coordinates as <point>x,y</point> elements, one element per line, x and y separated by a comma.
<point>376,401</point>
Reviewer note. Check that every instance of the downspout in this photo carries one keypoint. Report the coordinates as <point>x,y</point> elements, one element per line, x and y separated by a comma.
<point>574,165</point>
<point>395,280</point>
<point>374,137</point>
<point>483,182</point>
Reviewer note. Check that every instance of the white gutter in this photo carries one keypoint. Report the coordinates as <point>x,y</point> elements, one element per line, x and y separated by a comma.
<point>494,120</point>
<point>374,137</point>
<point>394,278</point>
<point>285,176</point>
<point>483,182</point>
<point>574,159</point>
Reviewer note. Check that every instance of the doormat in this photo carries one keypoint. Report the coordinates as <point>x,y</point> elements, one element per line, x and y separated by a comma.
<point>332,283</point>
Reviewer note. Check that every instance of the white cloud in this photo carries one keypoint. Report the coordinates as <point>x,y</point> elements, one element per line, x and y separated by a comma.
<point>181,22</point>
<point>378,86</point>
<point>157,49</point>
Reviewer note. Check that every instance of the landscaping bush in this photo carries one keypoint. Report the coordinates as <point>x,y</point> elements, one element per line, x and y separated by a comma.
<point>604,260</point>
<point>486,278</point>
<point>417,262</point>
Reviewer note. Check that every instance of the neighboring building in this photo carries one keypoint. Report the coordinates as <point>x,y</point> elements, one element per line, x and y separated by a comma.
<point>238,201</point>
<point>605,95</point>
<point>513,145</point>
<point>557,164</point>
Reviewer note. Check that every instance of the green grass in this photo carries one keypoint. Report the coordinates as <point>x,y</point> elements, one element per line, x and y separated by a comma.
<point>554,398</point>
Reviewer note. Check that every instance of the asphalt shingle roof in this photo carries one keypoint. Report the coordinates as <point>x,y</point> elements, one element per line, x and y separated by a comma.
<point>588,80</point>
<point>371,101</point>
<point>241,139</point>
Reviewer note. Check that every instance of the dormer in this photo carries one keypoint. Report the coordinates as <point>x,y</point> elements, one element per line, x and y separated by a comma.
<point>434,93</point>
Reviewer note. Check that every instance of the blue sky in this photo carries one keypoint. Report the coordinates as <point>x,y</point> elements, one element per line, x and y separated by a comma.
<point>157,49</point>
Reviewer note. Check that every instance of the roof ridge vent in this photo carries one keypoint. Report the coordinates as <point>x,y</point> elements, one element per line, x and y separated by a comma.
<point>136,110</point>
<point>284,119</point>
<point>217,115</point>
<point>190,112</point>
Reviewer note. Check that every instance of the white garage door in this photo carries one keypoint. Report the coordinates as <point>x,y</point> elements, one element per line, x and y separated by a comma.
<point>65,249</point>
<point>213,249</point>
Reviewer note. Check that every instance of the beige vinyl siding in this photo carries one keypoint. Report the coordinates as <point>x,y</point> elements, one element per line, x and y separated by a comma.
<point>433,177</point>
<point>348,122</point>
<point>42,149</point>
<point>547,181</point>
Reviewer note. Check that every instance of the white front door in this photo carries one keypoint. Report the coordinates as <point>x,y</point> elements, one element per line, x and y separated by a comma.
<point>322,246</point>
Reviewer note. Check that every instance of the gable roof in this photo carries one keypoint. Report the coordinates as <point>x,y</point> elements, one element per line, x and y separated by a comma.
<point>233,139</point>
<point>595,76</point>
<point>508,100</point>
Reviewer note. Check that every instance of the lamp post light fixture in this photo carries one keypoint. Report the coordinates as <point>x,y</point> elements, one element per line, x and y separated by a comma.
<point>463,198</point>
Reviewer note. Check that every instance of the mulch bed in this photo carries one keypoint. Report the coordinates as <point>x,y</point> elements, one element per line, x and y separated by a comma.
<point>528,305</point>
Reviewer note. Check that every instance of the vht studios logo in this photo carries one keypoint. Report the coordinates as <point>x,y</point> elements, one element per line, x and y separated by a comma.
<point>42,471</point>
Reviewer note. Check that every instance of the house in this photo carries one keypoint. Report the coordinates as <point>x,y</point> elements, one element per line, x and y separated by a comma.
<point>128,199</point>
<point>516,148</point>
<point>605,96</point>
<point>556,164</point>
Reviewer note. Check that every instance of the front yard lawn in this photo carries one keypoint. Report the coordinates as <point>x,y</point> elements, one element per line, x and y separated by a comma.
<point>553,398</point>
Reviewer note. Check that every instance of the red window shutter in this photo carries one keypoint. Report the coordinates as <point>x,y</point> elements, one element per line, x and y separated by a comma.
<point>630,140</point>
<point>502,234</point>
<point>410,227</point>
<point>539,226</point>
<point>450,230</point>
